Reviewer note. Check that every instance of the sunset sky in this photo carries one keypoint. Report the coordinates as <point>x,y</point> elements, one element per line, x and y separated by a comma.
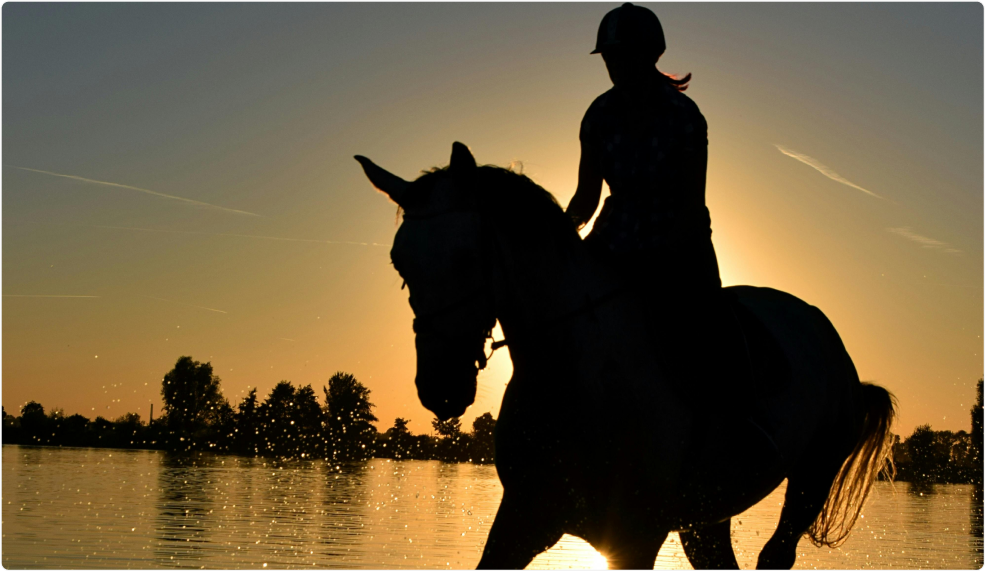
<point>178,180</point>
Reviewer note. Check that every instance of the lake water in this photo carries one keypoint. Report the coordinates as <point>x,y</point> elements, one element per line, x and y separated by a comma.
<point>107,509</point>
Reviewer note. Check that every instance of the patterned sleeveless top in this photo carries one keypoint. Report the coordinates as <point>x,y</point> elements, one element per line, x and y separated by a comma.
<point>650,152</point>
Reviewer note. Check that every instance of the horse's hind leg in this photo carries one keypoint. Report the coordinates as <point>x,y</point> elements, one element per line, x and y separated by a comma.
<point>520,532</point>
<point>710,547</point>
<point>807,491</point>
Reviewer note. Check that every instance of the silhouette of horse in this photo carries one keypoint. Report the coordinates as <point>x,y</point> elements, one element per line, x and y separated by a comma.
<point>592,439</point>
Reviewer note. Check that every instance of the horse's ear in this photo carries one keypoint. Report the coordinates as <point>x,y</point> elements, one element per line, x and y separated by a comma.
<point>462,160</point>
<point>391,184</point>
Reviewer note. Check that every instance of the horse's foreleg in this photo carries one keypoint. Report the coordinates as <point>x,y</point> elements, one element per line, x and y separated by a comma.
<point>710,547</point>
<point>807,491</point>
<point>522,529</point>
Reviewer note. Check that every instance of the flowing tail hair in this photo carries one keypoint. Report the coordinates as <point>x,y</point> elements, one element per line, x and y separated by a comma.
<point>872,455</point>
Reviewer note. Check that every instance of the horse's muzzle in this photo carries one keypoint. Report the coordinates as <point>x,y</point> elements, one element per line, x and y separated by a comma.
<point>447,372</point>
<point>447,397</point>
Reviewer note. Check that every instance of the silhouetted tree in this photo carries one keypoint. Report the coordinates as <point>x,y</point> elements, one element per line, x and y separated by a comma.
<point>397,442</point>
<point>924,456</point>
<point>34,423</point>
<point>74,429</point>
<point>275,412</point>
<point>977,436</point>
<point>453,445</point>
<point>483,444</point>
<point>193,402</point>
<point>223,427</point>
<point>129,419</point>
<point>349,416</point>
<point>448,428</point>
<point>310,420</point>
<point>291,422</point>
<point>11,429</point>
<point>248,424</point>
<point>101,432</point>
<point>32,409</point>
<point>127,430</point>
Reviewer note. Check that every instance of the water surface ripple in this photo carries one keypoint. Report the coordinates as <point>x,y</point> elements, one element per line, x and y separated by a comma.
<point>102,508</point>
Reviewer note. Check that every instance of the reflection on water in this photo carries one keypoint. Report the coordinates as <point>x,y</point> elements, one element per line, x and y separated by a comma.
<point>975,526</point>
<point>100,508</point>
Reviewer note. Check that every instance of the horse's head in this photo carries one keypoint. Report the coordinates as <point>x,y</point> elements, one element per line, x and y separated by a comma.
<point>437,251</point>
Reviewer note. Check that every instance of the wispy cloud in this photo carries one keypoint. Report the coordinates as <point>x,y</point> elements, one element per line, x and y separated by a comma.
<point>38,295</point>
<point>924,241</point>
<point>138,189</point>
<point>821,168</point>
<point>186,304</point>
<point>279,238</point>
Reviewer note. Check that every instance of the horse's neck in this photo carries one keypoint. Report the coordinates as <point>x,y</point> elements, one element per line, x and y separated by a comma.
<point>539,286</point>
<point>576,335</point>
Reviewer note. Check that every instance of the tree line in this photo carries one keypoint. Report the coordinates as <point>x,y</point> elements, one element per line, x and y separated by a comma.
<point>942,456</point>
<point>289,423</point>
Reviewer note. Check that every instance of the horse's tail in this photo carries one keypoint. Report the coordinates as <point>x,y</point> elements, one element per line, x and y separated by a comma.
<point>873,453</point>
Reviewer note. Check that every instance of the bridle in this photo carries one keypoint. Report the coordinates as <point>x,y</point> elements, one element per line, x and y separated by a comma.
<point>481,295</point>
<point>425,323</point>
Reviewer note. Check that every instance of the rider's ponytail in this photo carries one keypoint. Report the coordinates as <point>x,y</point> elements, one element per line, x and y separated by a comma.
<point>678,83</point>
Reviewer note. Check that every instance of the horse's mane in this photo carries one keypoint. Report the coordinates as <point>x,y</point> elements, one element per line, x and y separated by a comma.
<point>508,199</point>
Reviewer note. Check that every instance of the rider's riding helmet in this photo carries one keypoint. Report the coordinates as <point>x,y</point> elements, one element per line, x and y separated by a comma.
<point>632,27</point>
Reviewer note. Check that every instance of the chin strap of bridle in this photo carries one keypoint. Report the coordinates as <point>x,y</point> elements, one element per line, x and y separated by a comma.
<point>483,359</point>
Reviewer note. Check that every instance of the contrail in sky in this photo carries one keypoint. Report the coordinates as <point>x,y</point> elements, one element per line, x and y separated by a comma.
<point>821,168</point>
<point>188,304</point>
<point>246,236</point>
<point>923,240</point>
<point>31,295</point>
<point>138,189</point>
<point>96,296</point>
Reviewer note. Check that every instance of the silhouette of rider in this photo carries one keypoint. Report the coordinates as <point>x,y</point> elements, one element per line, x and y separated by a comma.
<point>649,142</point>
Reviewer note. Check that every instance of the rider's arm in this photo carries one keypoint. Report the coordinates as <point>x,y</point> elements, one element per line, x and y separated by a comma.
<point>695,158</point>
<point>586,199</point>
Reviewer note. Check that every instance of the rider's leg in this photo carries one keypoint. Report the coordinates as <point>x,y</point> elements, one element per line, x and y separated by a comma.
<point>698,337</point>
<point>522,529</point>
<point>710,547</point>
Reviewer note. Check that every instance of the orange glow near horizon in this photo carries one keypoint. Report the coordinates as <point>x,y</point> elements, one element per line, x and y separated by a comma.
<point>246,116</point>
